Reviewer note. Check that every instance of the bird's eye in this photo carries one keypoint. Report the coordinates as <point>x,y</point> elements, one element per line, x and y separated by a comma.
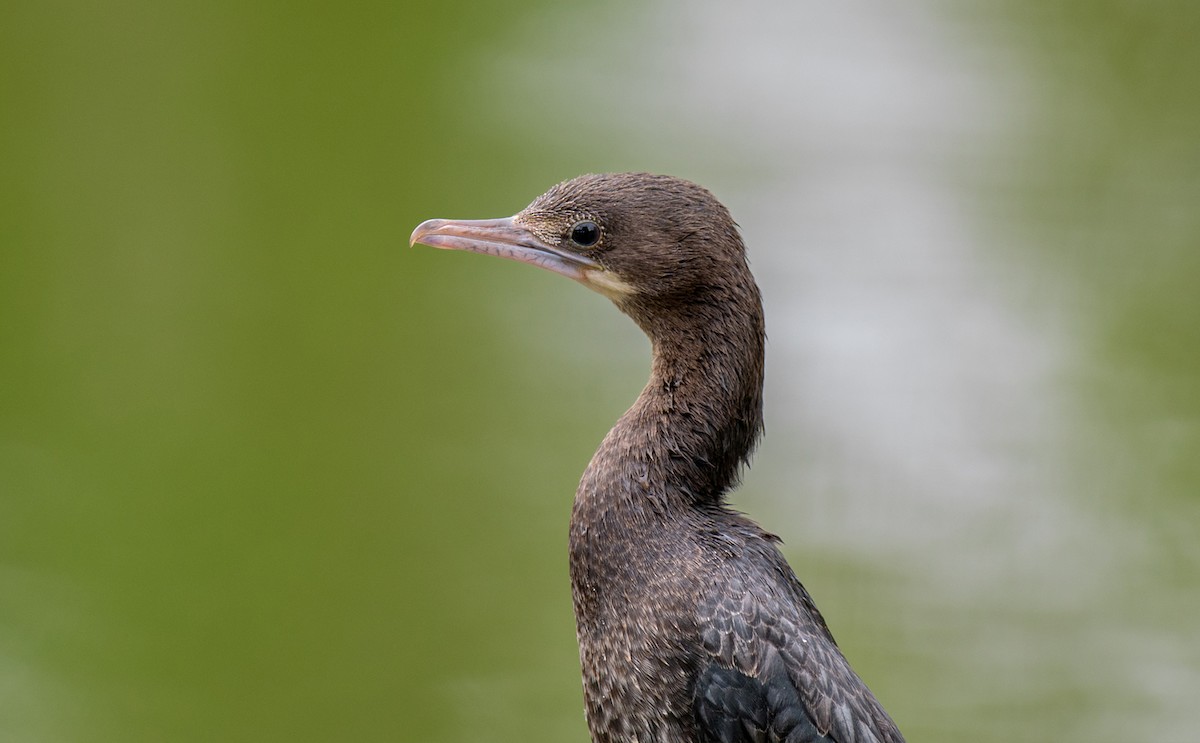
<point>585,234</point>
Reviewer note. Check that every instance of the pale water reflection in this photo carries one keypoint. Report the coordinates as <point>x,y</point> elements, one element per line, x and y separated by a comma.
<point>923,431</point>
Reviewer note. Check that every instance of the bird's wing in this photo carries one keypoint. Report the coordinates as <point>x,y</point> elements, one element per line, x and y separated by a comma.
<point>773,671</point>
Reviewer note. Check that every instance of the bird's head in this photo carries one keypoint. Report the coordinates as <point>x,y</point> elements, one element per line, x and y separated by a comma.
<point>637,238</point>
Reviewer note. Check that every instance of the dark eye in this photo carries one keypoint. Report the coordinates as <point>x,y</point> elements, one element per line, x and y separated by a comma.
<point>585,234</point>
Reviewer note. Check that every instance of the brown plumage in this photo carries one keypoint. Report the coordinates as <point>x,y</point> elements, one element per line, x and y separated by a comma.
<point>692,628</point>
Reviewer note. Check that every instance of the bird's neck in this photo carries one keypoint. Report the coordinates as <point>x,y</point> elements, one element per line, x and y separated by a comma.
<point>685,439</point>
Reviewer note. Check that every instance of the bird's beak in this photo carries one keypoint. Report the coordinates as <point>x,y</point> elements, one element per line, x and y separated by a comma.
<point>505,238</point>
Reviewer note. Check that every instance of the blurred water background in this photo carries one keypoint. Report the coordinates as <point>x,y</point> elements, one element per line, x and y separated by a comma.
<point>266,474</point>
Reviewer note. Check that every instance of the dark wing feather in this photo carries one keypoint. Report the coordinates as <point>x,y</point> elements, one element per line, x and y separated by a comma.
<point>773,671</point>
<point>732,707</point>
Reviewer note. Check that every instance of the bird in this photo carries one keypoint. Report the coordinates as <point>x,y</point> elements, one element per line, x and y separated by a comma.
<point>692,627</point>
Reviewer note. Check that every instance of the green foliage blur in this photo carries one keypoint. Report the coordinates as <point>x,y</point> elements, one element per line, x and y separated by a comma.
<point>239,419</point>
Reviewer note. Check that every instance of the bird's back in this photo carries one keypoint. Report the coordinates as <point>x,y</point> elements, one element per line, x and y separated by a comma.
<point>772,670</point>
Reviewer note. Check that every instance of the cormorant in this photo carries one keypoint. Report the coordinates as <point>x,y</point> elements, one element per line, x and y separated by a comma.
<point>692,627</point>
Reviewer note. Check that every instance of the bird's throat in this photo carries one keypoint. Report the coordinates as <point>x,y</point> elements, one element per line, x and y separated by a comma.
<point>685,439</point>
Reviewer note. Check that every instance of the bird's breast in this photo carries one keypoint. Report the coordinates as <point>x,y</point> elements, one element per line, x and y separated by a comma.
<point>634,581</point>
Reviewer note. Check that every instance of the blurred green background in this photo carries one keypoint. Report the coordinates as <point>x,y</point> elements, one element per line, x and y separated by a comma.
<point>266,474</point>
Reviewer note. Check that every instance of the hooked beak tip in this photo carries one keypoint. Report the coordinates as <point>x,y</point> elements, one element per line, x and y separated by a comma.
<point>424,229</point>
